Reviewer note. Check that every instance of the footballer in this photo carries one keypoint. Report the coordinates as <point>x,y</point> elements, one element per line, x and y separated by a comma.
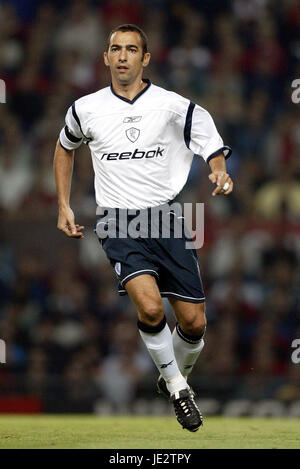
<point>142,140</point>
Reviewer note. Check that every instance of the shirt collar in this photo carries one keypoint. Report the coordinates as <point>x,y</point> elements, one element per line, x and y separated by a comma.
<point>131,101</point>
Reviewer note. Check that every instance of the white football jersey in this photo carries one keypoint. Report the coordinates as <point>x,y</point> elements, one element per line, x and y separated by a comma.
<point>142,149</point>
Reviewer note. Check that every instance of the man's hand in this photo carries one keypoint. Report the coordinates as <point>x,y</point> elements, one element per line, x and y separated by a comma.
<point>66,223</point>
<point>223,181</point>
<point>63,167</point>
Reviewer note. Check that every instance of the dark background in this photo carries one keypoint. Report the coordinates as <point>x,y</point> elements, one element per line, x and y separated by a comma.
<point>72,343</point>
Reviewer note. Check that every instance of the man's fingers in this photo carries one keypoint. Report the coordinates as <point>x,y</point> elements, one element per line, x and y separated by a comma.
<point>67,230</point>
<point>230,188</point>
<point>220,189</point>
<point>220,179</point>
<point>75,231</point>
<point>223,180</point>
<point>71,234</point>
<point>71,230</point>
<point>217,191</point>
<point>213,178</point>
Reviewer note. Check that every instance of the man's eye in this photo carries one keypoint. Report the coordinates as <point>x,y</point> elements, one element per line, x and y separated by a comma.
<point>132,50</point>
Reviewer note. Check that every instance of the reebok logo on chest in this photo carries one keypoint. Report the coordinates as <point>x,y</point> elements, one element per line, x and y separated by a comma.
<point>135,155</point>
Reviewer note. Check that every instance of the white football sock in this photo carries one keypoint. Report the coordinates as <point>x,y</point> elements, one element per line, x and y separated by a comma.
<point>160,347</point>
<point>186,349</point>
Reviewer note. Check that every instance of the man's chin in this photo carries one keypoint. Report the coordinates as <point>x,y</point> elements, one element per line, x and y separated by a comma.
<point>123,80</point>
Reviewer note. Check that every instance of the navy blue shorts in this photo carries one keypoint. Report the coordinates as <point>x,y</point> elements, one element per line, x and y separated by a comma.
<point>174,267</point>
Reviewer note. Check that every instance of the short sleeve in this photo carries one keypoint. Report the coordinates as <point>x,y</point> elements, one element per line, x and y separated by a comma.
<point>71,136</point>
<point>201,135</point>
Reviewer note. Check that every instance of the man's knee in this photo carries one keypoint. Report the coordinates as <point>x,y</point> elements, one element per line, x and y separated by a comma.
<point>195,322</point>
<point>151,314</point>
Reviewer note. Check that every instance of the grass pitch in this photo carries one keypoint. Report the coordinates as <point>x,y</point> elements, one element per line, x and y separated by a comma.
<point>92,432</point>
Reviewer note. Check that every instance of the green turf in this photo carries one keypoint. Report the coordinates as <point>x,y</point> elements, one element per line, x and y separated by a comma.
<point>145,432</point>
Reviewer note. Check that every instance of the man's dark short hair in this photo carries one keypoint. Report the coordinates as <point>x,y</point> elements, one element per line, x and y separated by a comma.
<point>130,27</point>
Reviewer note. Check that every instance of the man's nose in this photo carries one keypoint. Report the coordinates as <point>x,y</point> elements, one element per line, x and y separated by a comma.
<point>123,55</point>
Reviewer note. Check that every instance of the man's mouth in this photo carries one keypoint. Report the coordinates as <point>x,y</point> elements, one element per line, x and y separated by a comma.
<point>122,68</point>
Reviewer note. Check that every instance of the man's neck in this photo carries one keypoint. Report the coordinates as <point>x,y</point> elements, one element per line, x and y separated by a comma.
<point>128,91</point>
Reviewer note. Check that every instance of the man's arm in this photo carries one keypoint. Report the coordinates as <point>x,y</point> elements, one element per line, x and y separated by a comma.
<point>219,175</point>
<point>63,169</point>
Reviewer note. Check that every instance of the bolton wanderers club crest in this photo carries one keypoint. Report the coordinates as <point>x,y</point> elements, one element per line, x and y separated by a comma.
<point>118,268</point>
<point>132,134</point>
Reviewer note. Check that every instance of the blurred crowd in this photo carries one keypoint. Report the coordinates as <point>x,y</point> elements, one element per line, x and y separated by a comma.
<point>71,340</point>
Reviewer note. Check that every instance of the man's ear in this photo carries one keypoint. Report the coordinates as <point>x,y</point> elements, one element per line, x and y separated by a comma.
<point>146,59</point>
<point>105,59</point>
